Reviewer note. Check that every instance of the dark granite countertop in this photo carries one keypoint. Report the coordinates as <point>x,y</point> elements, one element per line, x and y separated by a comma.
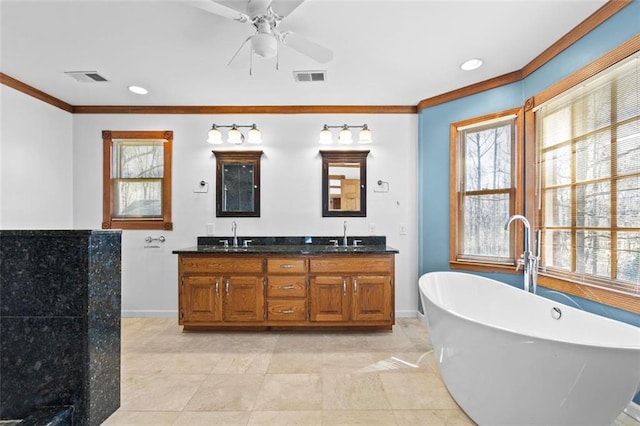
<point>290,245</point>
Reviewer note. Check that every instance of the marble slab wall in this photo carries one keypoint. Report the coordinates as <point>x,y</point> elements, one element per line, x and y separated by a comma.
<point>60,323</point>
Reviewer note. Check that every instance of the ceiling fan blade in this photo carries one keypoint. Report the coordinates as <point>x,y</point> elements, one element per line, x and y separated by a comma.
<point>307,47</point>
<point>285,7</point>
<point>218,9</point>
<point>241,60</point>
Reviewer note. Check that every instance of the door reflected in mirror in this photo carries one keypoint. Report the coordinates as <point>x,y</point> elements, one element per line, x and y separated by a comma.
<point>344,183</point>
<point>237,183</point>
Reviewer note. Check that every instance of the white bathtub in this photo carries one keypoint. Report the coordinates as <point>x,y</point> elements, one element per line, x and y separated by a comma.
<point>507,360</point>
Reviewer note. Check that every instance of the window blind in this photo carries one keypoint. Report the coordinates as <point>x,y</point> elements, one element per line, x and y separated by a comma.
<point>588,145</point>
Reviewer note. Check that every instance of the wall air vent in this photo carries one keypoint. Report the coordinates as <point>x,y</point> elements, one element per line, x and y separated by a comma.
<point>86,76</point>
<point>310,76</point>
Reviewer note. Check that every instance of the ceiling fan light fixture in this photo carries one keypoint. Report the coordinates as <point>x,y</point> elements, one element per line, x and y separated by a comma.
<point>264,45</point>
<point>471,64</point>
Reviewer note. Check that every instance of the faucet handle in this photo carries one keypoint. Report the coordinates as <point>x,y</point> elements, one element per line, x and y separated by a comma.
<point>334,242</point>
<point>225,243</point>
<point>356,242</point>
<point>245,243</point>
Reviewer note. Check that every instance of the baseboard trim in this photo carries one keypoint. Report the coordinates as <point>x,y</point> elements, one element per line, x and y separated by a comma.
<point>406,314</point>
<point>149,314</point>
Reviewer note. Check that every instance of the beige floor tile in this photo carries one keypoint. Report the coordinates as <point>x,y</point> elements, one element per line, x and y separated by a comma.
<point>433,417</point>
<point>353,392</point>
<point>284,362</point>
<point>226,392</point>
<point>209,418</point>
<point>158,392</point>
<point>345,362</point>
<point>283,378</point>
<point>281,392</point>
<point>359,417</point>
<point>286,418</point>
<point>242,363</point>
<point>417,391</point>
<point>135,418</point>
<point>168,363</point>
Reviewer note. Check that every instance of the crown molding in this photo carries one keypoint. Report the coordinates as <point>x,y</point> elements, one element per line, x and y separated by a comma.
<point>33,92</point>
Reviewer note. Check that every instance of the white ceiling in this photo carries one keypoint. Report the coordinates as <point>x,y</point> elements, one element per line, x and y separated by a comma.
<point>385,52</point>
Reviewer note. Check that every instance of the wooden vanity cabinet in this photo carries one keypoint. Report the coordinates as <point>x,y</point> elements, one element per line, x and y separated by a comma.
<point>219,289</point>
<point>286,289</point>
<point>361,293</point>
<point>325,290</point>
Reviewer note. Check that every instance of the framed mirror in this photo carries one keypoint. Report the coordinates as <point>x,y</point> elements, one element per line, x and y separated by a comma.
<point>237,183</point>
<point>344,183</point>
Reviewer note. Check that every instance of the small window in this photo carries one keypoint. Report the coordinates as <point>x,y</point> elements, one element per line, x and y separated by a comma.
<point>137,179</point>
<point>486,188</point>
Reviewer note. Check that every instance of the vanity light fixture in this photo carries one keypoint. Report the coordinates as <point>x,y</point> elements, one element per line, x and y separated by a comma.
<point>345,137</point>
<point>234,136</point>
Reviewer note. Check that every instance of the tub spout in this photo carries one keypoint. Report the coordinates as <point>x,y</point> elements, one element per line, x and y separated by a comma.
<point>528,260</point>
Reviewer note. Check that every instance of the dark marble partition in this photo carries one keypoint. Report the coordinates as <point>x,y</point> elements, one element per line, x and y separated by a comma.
<point>60,323</point>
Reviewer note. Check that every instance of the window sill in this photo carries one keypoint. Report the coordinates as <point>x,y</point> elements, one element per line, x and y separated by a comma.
<point>595,294</point>
<point>483,267</point>
<point>138,224</point>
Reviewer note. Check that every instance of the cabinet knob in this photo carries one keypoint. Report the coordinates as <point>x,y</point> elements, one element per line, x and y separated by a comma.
<point>285,311</point>
<point>286,266</point>
<point>287,287</point>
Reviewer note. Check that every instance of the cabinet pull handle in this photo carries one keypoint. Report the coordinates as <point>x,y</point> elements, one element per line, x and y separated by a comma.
<point>344,286</point>
<point>285,311</point>
<point>217,286</point>
<point>286,266</point>
<point>355,286</point>
<point>287,287</point>
<point>226,287</point>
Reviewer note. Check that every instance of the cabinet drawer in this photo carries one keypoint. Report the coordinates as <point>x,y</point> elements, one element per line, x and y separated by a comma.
<point>286,310</point>
<point>351,264</point>
<point>286,286</point>
<point>286,265</point>
<point>220,265</point>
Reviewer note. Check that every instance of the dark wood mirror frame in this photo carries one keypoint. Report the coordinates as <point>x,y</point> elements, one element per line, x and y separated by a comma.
<point>234,158</point>
<point>332,157</point>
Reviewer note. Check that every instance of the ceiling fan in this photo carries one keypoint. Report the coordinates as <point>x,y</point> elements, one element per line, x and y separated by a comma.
<point>266,16</point>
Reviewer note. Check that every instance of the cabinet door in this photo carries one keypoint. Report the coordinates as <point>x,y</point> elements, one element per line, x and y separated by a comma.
<point>201,301</point>
<point>243,298</point>
<point>329,298</point>
<point>371,297</point>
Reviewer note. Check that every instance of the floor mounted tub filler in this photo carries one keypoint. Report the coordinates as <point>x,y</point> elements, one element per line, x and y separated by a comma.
<point>509,357</point>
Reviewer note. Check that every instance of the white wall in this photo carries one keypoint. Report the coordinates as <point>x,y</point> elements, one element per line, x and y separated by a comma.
<point>36,163</point>
<point>291,201</point>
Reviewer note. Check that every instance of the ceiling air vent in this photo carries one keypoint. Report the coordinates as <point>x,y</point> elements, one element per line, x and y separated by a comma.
<point>86,76</point>
<point>311,76</point>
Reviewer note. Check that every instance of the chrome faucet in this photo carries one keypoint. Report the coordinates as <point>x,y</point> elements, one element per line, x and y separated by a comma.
<point>528,260</point>
<point>234,228</point>
<point>344,238</point>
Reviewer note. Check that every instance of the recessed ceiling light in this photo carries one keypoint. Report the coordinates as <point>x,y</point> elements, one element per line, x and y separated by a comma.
<point>471,64</point>
<point>138,90</point>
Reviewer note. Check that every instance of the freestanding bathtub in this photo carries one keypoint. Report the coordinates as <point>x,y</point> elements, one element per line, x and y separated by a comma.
<point>514,358</point>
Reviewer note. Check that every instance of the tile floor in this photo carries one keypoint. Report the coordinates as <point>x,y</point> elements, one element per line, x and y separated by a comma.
<point>282,378</point>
